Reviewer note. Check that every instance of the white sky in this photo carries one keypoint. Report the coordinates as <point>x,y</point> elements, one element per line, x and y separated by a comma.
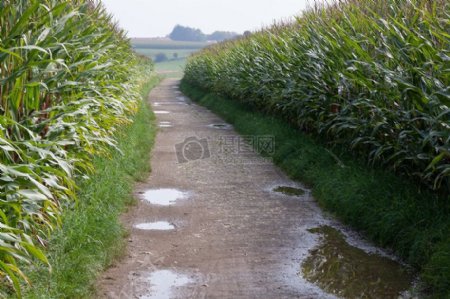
<point>151,18</point>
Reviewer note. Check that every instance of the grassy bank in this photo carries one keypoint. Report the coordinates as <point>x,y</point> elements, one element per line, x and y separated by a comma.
<point>387,208</point>
<point>91,235</point>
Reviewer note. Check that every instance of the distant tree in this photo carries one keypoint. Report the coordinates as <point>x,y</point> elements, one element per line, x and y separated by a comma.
<point>247,33</point>
<point>182,33</point>
<point>160,57</point>
<point>175,55</point>
<point>221,35</point>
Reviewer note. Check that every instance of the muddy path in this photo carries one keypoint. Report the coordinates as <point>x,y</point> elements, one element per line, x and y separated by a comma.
<point>210,225</point>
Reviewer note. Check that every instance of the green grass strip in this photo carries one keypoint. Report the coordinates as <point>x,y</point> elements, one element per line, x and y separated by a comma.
<point>92,236</point>
<point>387,208</point>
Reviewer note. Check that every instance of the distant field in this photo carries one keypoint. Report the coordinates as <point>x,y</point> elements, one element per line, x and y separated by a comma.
<point>171,69</point>
<point>151,43</point>
<point>174,67</point>
<point>151,52</point>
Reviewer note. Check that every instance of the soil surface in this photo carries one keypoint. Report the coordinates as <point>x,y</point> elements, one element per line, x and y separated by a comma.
<point>222,232</point>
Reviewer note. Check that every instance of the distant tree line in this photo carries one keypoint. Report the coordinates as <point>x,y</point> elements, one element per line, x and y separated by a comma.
<point>182,33</point>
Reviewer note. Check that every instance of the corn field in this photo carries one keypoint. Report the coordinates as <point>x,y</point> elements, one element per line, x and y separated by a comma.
<point>371,76</point>
<point>68,80</point>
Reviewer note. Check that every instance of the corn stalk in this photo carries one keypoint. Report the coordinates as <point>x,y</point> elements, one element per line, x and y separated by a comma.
<point>372,76</point>
<point>68,79</point>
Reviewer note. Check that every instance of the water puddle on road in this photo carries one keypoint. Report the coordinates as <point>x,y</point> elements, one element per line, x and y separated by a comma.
<point>184,100</point>
<point>161,112</point>
<point>168,103</point>
<point>165,124</point>
<point>163,197</point>
<point>160,225</point>
<point>350,272</point>
<point>163,283</point>
<point>291,191</point>
<point>220,126</point>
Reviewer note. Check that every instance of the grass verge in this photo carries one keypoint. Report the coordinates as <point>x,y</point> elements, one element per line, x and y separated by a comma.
<point>91,235</point>
<point>388,209</point>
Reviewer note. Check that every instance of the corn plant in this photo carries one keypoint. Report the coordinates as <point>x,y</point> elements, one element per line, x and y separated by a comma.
<point>372,76</point>
<point>68,79</point>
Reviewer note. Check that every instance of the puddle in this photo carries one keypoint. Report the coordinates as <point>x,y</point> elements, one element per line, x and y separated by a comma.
<point>350,272</point>
<point>160,225</point>
<point>165,124</point>
<point>161,112</point>
<point>169,103</point>
<point>184,100</point>
<point>163,282</point>
<point>164,197</point>
<point>291,191</point>
<point>220,126</point>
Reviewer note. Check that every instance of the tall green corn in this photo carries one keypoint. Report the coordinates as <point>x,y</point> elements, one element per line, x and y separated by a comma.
<point>370,75</point>
<point>68,79</point>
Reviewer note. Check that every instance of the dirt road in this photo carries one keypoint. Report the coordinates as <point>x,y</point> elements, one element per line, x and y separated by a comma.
<point>208,223</point>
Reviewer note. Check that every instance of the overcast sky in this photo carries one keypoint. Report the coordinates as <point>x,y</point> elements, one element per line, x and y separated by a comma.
<point>151,18</point>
